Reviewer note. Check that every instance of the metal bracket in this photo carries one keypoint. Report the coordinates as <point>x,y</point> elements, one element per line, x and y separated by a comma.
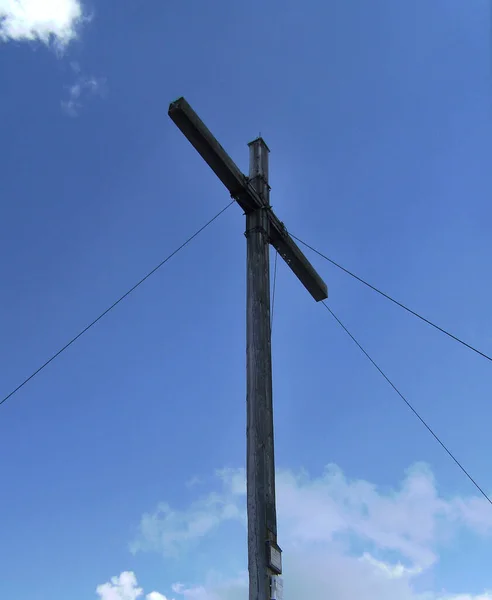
<point>257,229</point>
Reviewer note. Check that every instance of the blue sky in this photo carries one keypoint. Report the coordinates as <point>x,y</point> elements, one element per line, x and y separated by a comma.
<point>124,458</point>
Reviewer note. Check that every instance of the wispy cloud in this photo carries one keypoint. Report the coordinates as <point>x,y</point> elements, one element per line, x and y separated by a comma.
<point>395,571</point>
<point>193,482</point>
<point>81,89</point>
<point>171,531</point>
<point>397,533</point>
<point>46,21</point>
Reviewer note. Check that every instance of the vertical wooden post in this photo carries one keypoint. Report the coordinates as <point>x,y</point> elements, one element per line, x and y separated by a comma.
<point>262,518</point>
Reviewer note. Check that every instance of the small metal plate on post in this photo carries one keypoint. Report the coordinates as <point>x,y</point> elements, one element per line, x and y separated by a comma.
<point>276,588</point>
<point>274,558</point>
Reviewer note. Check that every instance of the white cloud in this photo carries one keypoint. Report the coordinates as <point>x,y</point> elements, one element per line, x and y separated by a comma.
<point>40,20</point>
<point>338,534</point>
<point>411,520</point>
<point>156,596</point>
<point>125,587</point>
<point>406,520</point>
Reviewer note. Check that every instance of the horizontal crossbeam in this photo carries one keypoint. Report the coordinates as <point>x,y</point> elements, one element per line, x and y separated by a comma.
<point>201,138</point>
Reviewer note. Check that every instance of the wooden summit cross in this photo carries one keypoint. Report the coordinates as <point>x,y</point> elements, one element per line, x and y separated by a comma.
<point>262,228</point>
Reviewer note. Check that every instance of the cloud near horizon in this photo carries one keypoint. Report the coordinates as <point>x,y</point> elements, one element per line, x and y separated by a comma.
<point>124,587</point>
<point>342,538</point>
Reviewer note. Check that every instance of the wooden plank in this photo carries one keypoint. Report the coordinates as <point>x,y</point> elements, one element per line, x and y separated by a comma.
<point>296,260</point>
<point>204,142</point>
